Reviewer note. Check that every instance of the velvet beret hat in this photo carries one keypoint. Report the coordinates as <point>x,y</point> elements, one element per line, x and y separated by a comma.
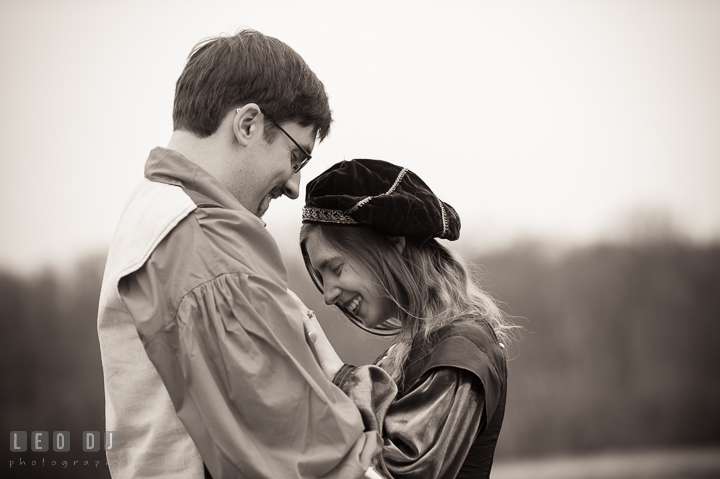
<point>389,199</point>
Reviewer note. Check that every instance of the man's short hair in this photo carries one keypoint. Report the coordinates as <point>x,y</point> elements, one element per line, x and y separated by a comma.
<point>226,72</point>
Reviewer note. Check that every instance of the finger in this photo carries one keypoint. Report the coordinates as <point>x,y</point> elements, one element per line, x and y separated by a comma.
<point>313,337</point>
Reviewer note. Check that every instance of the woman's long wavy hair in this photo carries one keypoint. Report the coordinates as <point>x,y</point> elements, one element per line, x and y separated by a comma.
<point>430,285</point>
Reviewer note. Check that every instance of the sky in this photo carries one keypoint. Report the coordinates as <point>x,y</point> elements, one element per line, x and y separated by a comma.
<point>562,121</point>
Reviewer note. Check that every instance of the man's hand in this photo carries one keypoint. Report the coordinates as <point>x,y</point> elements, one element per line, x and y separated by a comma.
<point>328,359</point>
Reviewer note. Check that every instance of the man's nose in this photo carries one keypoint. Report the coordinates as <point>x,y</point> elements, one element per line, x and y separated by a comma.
<point>291,188</point>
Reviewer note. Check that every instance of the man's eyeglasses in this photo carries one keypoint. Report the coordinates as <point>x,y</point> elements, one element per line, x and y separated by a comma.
<point>297,164</point>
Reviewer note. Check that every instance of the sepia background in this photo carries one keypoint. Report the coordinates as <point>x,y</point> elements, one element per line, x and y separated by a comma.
<point>579,142</point>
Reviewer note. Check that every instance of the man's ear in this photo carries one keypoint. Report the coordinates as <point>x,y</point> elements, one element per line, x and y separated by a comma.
<point>399,242</point>
<point>249,122</point>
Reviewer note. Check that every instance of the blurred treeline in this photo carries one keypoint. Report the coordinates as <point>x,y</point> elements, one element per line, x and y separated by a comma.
<point>620,348</point>
<point>51,373</point>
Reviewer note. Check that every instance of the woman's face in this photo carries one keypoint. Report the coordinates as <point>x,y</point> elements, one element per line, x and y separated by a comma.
<point>347,281</point>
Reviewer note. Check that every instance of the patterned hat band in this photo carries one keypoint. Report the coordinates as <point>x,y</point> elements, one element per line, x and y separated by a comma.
<point>321,215</point>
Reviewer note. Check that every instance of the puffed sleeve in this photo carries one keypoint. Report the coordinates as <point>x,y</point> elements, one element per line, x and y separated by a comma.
<point>428,431</point>
<point>245,384</point>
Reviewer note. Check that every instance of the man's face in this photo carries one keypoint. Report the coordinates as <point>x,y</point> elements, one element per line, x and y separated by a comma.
<point>271,164</point>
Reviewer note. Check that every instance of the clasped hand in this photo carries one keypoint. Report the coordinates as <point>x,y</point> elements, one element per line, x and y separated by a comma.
<point>329,361</point>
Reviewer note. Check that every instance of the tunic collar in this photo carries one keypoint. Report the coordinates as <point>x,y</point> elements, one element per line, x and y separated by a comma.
<point>169,166</point>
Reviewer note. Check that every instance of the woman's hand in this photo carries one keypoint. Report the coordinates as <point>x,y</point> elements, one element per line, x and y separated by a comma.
<point>328,359</point>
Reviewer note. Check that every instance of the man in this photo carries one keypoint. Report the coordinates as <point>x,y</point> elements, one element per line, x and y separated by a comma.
<point>203,347</point>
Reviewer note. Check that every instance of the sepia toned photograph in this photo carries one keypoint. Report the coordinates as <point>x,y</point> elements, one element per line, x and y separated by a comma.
<point>397,239</point>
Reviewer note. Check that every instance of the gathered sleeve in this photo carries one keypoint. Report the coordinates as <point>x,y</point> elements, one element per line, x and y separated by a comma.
<point>245,383</point>
<point>428,431</point>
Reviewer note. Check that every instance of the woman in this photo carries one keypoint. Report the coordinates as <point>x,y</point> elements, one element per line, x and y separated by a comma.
<point>437,396</point>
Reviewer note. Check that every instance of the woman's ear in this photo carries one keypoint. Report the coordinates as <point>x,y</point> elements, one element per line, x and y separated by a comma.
<point>399,242</point>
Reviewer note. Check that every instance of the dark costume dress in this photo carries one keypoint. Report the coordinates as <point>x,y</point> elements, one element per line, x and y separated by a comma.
<point>444,420</point>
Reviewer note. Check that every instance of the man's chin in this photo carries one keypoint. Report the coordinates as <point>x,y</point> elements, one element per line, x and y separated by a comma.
<point>263,206</point>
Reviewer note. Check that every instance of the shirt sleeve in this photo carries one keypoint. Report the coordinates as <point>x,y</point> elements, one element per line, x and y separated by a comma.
<point>427,432</point>
<point>245,384</point>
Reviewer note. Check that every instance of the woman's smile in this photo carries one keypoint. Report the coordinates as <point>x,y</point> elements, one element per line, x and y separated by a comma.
<point>354,305</point>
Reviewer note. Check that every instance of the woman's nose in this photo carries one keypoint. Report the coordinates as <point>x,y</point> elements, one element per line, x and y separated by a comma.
<point>331,293</point>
